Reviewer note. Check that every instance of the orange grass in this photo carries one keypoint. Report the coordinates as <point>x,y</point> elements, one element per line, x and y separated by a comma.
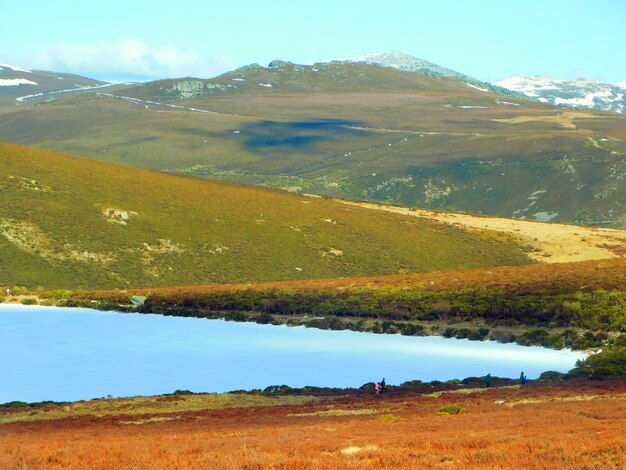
<point>572,425</point>
<point>559,278</point>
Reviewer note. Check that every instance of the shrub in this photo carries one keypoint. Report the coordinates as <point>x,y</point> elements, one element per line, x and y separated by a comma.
<point>235,316</point>
<point>264,319</point>
<point>551,375</point>
<point>57,294</point>
<point>450,410</point>
<point>28,302</point>
<point>610,362</point>
<point>389,417</point>
<point>15,404</point>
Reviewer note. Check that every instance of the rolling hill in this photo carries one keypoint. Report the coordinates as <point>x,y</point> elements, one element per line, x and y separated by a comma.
<point>75,222</point>
<point>19,85</point>
<point>353,130</point>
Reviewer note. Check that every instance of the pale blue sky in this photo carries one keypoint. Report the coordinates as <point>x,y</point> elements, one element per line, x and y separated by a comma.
<point>486,39</point>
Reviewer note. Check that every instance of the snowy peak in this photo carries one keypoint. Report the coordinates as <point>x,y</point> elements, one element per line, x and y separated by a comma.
<point>407,63</point>
<point>398,60</point>
<point>577,93</point>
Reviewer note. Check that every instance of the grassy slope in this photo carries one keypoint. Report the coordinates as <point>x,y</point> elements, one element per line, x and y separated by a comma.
<point>185,230</point>
<point>415,145</point>
<point>538,278</point>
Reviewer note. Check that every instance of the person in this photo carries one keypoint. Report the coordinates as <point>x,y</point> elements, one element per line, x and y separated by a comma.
<point>383,386</point>
<point>377,388</point>
<point>522,378</point>
<point>488,380</point>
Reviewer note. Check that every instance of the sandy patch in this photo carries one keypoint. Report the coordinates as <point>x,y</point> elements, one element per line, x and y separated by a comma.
<point>565,119</point>
<point>551,242</point>
<point>352,450</point>
<point>358,412</point>
<point>531,401</point>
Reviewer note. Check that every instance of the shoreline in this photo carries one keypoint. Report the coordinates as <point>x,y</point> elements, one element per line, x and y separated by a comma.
<point>453,381</point>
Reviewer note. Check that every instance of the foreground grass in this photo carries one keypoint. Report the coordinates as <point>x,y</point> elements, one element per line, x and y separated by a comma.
<point>136,406</point>
<point>571,425</point>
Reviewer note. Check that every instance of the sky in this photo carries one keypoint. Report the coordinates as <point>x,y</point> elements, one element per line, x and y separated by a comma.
<point>150,39</point>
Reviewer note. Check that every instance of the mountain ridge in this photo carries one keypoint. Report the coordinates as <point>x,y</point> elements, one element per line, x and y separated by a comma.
<point>400,61</point>
<point>580,93</point>
<point>408,63</point>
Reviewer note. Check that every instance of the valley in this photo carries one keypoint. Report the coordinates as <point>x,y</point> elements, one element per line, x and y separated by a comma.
<point>290,231</point>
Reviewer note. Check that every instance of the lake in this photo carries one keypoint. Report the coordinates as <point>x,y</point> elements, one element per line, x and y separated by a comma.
<point>61,354</point>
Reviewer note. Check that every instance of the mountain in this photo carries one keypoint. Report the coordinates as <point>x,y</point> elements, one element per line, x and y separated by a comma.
<point>19,85</point>
<point>351,130</point>
<point>76,222</point>
<point>579,93</point>
<point>407,63</point>
<point>400,61</point>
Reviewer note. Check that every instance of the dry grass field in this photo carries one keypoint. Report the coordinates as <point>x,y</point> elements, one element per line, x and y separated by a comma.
<point>569,425</point>
<point>550,242</point>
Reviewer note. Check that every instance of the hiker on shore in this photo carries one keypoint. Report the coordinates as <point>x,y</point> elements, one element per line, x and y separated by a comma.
<point>488,380</point>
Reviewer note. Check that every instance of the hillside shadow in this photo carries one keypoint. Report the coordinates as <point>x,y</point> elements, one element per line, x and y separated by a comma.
<point>270,136</point>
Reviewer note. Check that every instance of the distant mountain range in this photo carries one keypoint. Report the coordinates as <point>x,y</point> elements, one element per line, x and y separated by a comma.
<point>385,127</point>
<point>407,63</point>
<point>581,93</point>
<point>18,84</point>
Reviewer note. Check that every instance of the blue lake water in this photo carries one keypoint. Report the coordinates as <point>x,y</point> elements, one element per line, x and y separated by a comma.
<point>49,353</point>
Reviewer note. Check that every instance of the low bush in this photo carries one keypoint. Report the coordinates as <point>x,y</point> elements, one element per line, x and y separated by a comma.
<point>609,362</point>
<point>450,410</point>
<point>15,404</point>
<point>56,294</point>
<point>389,417</point>
<point>551,376</point>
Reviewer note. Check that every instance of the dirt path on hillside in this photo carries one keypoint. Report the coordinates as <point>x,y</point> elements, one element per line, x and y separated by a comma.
<point>565,119</point>
<point>551,242</point>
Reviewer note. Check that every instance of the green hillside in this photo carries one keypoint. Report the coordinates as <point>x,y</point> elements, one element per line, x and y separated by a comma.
<point>74,222</point>
<point>353,131</point>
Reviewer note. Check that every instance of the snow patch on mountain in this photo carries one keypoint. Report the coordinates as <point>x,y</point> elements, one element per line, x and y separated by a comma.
<point>14,68</point>
<point>577,93</point>
<point>16,82</point>
<point>476,87</point>
<point>621,84</point>
<point>588,100</point>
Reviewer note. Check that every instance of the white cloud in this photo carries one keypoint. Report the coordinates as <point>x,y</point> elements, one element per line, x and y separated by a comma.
<point>127,58</point>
